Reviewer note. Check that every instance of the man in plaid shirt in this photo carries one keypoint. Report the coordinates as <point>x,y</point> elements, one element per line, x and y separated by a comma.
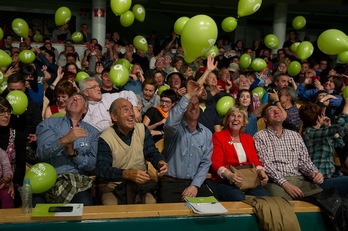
<point>285,157</point>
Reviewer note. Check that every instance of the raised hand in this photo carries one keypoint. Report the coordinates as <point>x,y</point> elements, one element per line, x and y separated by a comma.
<point>211,64</point>
<point>193,88</point>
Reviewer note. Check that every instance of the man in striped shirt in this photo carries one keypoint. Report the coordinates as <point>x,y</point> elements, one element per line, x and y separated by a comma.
<point>285,157</point>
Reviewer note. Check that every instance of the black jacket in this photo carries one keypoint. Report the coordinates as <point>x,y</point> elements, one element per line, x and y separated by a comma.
<point>334,207</point>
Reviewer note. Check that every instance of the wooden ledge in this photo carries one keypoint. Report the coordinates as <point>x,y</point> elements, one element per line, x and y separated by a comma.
<point>139,211</point>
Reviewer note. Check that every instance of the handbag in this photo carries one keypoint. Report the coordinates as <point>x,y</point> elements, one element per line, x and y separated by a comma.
<point>249,174</point>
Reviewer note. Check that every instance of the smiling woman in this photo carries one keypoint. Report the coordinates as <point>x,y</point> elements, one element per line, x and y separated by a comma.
<point>155,117</point>
<point>62,92</point>
<point>234,148</point>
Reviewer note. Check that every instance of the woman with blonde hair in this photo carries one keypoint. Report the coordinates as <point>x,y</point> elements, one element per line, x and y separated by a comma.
<point>232,147</point>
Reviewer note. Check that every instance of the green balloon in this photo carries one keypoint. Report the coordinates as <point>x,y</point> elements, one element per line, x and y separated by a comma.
<point>124,62</point>
<point>244,61</point>
<point>62,15</point>
<point>258,64</point>
<point>42,177</point>
<point>139,12</point>
<point>1,33</point>
<point>304,50</point>
<point>224,104</point>
<point>18,100</point>
<point>3,85</point>
<point>38,38</point>
<point>248,7</point>
<point>81,75</point>
<point>27,56</point>
<point>120,7</point>
<point>229,24</point>
<point>345,92</point>
<point>77,37</point>
<point>343,57</point>
<point>179,24</point>
<point>5,59</point>
<point>259,91</point>
<point>140,43</point>
<point>213,51</point>
<point>332,42</point>
<point>198,36</point>
<point>298,22</point>
<point>162,88</point>
<point>127,18</point>
<point>119,75</point>
<point>294,68</point>
<point>294,46</point>
<point>20,27</point>
<point>271,41</point>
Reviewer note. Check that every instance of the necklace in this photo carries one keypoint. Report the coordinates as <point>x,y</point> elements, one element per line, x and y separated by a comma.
<point>232,139</point>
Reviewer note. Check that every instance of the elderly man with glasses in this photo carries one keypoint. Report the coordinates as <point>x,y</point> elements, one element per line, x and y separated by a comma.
<point>98,112</point>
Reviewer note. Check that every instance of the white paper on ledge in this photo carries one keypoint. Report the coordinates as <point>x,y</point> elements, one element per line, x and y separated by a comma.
<point>206,205</point>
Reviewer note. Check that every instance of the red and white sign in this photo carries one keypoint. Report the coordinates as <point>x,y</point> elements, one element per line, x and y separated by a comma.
<point>98,12</point>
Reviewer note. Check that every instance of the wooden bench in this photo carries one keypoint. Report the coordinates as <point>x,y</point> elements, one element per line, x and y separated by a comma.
<point>170,217</point>
<point>142,211</point>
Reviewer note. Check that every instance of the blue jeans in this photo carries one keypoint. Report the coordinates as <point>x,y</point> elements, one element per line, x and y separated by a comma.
<point>339,183</point>
<point>84,197</point>
<point>228,192</point>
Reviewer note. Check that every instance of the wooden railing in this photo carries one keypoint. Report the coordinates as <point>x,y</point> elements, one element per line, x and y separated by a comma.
<point>140,211</point>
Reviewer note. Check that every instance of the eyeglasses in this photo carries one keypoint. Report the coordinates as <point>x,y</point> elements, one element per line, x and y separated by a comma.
<point>94,87</point>
<point>165,101</point>
<point>5,111</point>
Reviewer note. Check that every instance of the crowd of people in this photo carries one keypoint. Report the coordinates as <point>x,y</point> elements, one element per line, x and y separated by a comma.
<point>92,129</point>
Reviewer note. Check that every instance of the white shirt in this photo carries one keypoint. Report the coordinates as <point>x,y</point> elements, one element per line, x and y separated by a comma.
<point>98,112</point>
<point>240,152</point>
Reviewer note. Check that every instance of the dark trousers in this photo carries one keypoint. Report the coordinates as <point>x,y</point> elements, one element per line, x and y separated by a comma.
<point>170,190</point>
<point>339,183</point>
<point>228,192</point>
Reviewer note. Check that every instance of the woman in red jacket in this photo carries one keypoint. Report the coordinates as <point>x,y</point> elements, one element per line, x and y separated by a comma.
<point>233,147</point>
